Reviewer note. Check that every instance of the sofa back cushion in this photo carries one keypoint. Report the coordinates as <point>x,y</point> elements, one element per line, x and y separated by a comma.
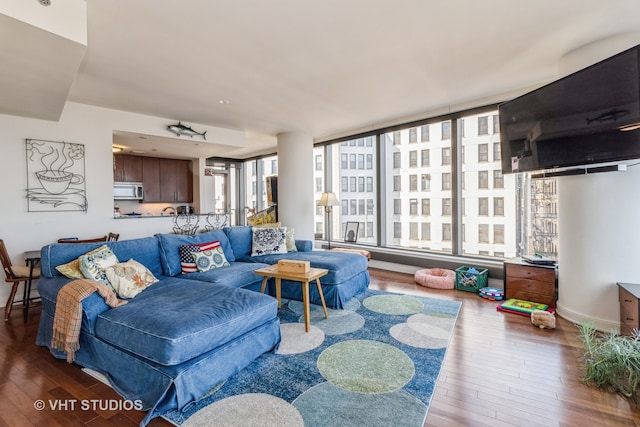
<point>240,238</point>
<point>170,248</point>
<point>144,250</point>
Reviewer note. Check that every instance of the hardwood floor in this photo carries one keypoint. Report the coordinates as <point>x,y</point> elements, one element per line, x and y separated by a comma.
<point>499,371</point>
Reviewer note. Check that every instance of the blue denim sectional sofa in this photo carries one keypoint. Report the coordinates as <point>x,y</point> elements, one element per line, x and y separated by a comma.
<point>186,333</point>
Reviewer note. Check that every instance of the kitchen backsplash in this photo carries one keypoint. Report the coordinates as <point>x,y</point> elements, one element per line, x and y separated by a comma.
<point>127,207</point>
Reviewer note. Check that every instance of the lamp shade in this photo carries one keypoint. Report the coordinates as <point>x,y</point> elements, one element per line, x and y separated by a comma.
<point>328,199</point>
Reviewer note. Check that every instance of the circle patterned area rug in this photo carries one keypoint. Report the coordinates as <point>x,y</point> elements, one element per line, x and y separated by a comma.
<point>376,362</point>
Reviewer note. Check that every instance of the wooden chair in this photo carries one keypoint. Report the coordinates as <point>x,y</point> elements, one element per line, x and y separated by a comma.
<point>14,275</point>
<point>111,237</point>
<point>98,239</point>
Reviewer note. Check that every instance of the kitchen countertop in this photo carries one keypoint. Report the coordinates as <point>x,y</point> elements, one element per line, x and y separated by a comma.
<point>125,216</point>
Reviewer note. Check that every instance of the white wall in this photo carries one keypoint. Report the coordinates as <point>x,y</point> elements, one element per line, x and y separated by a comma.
<point>599,244</point>
<point>93,127</point>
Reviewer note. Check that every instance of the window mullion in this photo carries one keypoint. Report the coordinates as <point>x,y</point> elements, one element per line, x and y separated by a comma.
<point>456,186</point>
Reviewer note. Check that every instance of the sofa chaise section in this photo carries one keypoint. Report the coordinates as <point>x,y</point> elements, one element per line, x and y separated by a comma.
<point>348,273</point>
<point>189,319</point>
<point>175,340</point>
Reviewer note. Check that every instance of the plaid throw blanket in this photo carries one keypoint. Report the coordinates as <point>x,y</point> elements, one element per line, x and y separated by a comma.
<point>67,319</point>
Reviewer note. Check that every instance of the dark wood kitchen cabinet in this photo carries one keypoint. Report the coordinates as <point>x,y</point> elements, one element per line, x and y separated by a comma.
<point>127,168</point>
<point>151,179</point>
<point>176,181</point>
<point>163,180</point>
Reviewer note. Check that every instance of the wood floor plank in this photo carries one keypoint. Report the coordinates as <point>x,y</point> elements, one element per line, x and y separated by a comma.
<point>499,371</point>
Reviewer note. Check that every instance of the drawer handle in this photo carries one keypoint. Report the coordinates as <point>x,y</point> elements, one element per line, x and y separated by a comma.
<point>628,300</point>
<point>630,318</point>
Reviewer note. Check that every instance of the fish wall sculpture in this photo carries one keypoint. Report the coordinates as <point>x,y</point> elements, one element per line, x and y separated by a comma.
<point>181,129</point>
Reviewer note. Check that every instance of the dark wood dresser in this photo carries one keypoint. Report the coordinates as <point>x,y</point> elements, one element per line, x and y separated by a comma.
<point>531,282</point>
<point>628,295</point>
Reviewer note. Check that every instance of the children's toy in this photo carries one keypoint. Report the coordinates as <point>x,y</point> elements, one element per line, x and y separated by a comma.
<point>522,307</point>
<point>492,294</point>
<point>471,279</point>
<point>543,319</point>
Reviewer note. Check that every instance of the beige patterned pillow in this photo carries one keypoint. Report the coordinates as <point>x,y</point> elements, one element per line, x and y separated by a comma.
<point>72,269</point>
<point>129,278</point>
<point>291,240</point>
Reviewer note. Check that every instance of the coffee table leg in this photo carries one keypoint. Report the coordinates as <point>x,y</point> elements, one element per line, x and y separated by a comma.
<point>324,306</point>
<point>278,293</point>
<point>264,284</point>
<point>305,302</point>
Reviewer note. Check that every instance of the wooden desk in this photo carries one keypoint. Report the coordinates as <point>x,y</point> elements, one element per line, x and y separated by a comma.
<point>32,258</point>
<point>303,278</point>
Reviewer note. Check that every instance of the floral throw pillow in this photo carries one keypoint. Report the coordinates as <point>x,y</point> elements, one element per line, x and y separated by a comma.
<point>187,264</point>
<point>72,268</point>
<point>93,265</point>
<point>210,259</point>
<point>129,278</point>
<point>267,241</point>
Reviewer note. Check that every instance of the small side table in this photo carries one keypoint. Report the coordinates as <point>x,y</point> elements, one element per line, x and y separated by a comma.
<point>303,278</point>
<point>531,282</point>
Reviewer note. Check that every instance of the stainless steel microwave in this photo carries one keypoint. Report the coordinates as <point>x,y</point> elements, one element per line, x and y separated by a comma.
<point>127,191</point>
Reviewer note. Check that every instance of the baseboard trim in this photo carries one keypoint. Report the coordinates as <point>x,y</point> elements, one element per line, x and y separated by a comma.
<point>577,317</point>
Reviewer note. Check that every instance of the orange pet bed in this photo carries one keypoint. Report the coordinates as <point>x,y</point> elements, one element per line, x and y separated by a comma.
<point>438,278</point>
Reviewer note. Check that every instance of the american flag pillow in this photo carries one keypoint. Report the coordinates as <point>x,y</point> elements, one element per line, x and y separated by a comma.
<point>187,262</point>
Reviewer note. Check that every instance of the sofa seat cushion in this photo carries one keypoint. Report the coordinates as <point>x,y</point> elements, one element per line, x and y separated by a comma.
<point>236,274</point>
<point>341,265</point>
<point>176,320</point>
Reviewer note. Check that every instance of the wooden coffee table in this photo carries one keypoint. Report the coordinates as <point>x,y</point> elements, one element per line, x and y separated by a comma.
<point>303,278</point>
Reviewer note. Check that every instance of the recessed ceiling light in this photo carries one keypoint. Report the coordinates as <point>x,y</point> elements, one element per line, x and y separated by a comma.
<point>223,101</point>
<point>117,149</point>
<point>45,2</point>
<point>634,126</point>
<point>137,152</point>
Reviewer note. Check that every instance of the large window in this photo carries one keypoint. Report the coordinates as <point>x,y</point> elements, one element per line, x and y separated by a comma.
<point>488,206</point>
<point>418,189</point>
<point>511,218</point>
<point>255,186</point>
<point>361,175</point>
<point>441,190</point>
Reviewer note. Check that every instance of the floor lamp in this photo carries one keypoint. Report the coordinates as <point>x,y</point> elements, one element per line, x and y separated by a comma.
<point>328,200</point>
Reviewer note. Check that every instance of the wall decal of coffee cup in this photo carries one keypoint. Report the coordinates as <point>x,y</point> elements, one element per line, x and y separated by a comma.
<point>55,176</point>
<point>57,182</point>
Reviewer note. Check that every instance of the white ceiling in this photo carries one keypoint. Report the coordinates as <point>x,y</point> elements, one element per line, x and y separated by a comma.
<point>324,67</point>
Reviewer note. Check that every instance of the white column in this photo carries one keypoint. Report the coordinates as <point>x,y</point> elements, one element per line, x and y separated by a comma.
<point>295,183</point>
<point>599,244</point>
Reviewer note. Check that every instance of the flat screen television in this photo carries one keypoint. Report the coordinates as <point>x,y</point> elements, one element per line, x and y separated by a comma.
<point>589,117</point>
